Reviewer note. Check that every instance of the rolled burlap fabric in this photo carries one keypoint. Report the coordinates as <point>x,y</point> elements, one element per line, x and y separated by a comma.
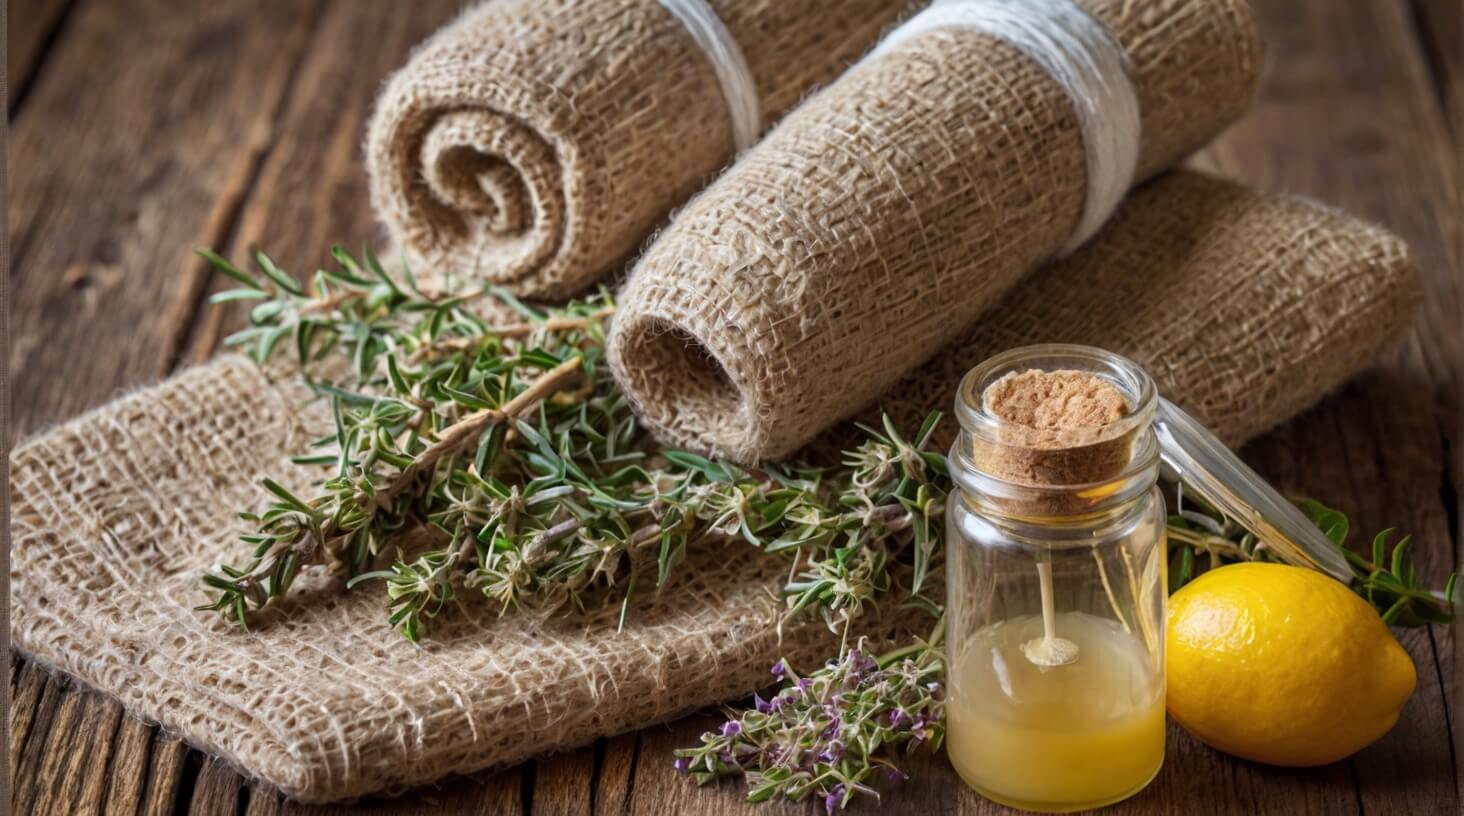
<point>881,217</point>
<point>535,143</point>
<point>1244,307</point>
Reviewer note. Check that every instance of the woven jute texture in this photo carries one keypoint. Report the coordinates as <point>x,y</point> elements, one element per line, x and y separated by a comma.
<point>1244,308</point>
<point>118,513</point>
<point>883,215</point>
<point>535,143</point>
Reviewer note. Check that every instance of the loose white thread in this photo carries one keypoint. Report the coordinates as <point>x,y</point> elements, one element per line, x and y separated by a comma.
<point>738,89</point>
<point>1085,58</point>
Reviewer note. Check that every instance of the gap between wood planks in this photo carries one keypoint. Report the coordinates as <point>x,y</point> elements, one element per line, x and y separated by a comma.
<point>30,43</point>
<point>1439,28</point>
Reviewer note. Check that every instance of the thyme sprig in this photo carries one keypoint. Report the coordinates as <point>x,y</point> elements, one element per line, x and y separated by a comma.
<point>837,733</point>
<point>517,454</point>
<point>1388,580</point>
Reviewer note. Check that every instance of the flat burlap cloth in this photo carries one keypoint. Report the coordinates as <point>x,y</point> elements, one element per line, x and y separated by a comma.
<point>535,143</point>
<point>887,212</point>
<point>1244,307</point>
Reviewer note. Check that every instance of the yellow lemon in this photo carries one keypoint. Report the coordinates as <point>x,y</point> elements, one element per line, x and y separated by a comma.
<point>1282,665</point>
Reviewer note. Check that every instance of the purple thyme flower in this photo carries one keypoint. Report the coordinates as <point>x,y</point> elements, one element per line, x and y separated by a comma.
<point>894,775</point>
<point>832,731</point>
<point>682,765</point>
<point>780,669</point>
<point>862,664</point>
<point>835,799</point>
<point>832,754</point>
<point>899,717</point>
<point>804,684</point>
<point>731,728</point>
<point>918,732</point>
<point>763,706</point>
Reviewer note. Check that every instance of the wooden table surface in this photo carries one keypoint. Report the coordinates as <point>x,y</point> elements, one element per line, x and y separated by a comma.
<point>141,128</point>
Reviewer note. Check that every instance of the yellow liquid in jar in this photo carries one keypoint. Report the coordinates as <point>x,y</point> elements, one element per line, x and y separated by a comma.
<point>1057,738</point>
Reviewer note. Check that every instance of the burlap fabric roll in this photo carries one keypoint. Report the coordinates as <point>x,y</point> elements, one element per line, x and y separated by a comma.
<point>534,143</point>
<point>880,218</point>
<point>1244,307</point>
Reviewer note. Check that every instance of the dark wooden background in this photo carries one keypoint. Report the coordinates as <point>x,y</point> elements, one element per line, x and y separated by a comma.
<point>143,127</point>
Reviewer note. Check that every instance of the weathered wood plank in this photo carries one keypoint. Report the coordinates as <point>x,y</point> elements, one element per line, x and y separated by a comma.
<point>32,26</point>
<point>565,783</point>
<point>613,785</point>
<point>28,688</point>
<point>500,794</point>
<point>312,190</point>
<point>1440,26</point>
<point>108,194</point>
<point>67,753</point>
<point>217,790</point>
<point>38,714</point>
<point>131,754</point>
<point>166,767</point>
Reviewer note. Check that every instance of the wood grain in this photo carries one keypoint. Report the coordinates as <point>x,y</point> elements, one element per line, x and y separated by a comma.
<point>111,193</point>
<point>501,794</point>
<point>1440,25</point>
<point>152,126</point>
<point>32,26</point>
<point>311,191</point>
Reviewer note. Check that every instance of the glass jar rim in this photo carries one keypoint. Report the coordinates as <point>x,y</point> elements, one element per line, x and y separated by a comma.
<point>1132,381</point>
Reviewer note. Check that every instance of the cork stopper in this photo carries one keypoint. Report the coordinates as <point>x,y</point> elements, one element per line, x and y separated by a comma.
<point>1060,427</point>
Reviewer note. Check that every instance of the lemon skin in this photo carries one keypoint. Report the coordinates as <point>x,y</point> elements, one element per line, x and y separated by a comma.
<point>1282,665</point>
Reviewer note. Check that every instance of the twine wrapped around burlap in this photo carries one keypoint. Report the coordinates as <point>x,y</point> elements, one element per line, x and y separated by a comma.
<point>535,143</point>
<point>1245,308</point>
<point>881,217</point>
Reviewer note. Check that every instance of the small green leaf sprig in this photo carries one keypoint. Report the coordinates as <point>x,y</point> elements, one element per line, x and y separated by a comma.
<point>512,448</point>
<point>1388,580</point>
<point>836,734</point>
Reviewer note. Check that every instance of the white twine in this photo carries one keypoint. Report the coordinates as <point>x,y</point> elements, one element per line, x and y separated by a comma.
<point>1085,58</point>
<point>738,89</point>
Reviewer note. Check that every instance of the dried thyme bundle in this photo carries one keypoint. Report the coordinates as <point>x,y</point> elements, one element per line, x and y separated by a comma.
<point>516,453</point>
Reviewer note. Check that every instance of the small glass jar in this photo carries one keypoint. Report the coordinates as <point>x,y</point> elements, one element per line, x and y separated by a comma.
<point>1055,598</point>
